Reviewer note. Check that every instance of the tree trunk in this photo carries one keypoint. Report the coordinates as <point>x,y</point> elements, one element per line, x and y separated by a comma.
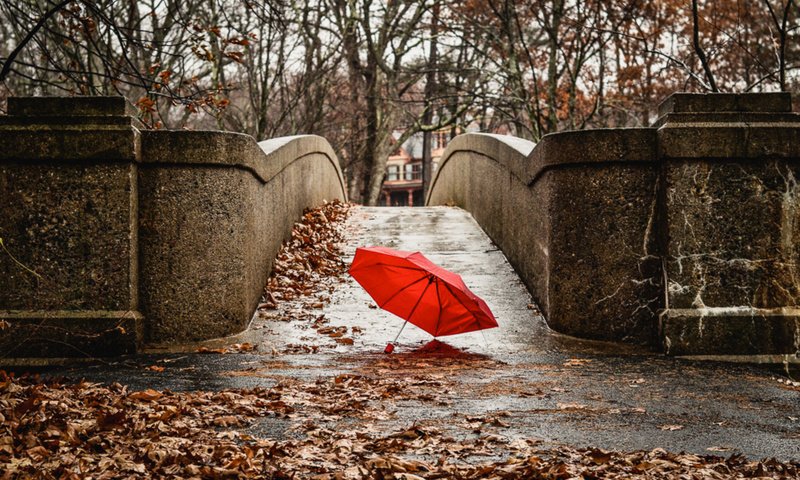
<point>380,154</point>
<point>430,92</point>
<point>552,66</point>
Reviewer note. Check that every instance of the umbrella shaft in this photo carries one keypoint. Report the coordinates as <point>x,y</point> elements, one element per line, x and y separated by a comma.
<point>401,331</point>
<point>414,309</point>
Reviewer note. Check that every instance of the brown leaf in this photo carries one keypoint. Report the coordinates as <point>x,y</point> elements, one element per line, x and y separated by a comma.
<point>27,405</point>
<point>37,453</point>
<point>226,421</point>
<point>719,449</point>
<point>211,350</point>
<point>243,347</point>
<point>577,362</point>
<point>571,406</point>
<point>599,456</point>
<point>148,395</point>
<point>110,421</point>
<point>670,428</point>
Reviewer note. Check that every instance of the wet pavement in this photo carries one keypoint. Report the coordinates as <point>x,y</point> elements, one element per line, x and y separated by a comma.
<point>542,385</point>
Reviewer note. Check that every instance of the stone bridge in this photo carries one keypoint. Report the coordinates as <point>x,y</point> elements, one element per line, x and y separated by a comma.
<point>680,235</point>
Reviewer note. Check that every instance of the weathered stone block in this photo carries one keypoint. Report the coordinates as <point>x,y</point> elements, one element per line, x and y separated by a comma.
<point>731,331</point>
<point>69,269</point>
<point>604,269</point>
<point>776,102</point>
<point>73,225</point>
<point>733,234</point>
<point>69,106</point>
<point>69,333</point>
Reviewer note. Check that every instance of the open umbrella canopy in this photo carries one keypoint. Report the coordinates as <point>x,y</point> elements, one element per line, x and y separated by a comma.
<point>419,291</point>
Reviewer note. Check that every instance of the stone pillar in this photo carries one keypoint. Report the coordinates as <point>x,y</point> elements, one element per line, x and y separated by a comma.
<point>411,198</point>
<point>69,260</point>
<point>731,216</point>
<point>388,197</point>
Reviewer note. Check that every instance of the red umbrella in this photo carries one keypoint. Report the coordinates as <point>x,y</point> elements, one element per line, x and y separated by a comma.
<point>419,291</point>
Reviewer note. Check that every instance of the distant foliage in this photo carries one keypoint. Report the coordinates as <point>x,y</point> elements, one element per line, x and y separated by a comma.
<point>355,71</point>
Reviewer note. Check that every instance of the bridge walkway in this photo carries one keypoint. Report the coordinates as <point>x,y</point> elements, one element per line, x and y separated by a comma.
<point>541,384</point>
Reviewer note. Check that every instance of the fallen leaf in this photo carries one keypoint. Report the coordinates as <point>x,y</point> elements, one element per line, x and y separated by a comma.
<point>719,449</point>
<point>243,347</point>
<point>110,421</point>
<point>148,395</point>
<point>600,456</point>
<point>37,453</point>
<point>225,421</point>
<point>670,428</point>
<point>577,362</point>
<point>571,406</point>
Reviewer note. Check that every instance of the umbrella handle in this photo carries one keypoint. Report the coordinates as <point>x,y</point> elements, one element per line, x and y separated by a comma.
<point>390,346</point>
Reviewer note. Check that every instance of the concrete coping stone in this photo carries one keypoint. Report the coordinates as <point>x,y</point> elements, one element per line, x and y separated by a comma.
<point>11,122</point>
<point>728,118</point>
<point>70,106</point>
<point>775,102</point>
<point>528,161</point>
<point>585,147</point>
<point>504,149</point>
<point>519,144</point>
<point>264,160</point>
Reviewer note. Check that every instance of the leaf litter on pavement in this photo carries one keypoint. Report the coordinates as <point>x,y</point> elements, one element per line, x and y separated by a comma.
<point>62,430</point>
<point>346,425</point>
<point>306,271</point>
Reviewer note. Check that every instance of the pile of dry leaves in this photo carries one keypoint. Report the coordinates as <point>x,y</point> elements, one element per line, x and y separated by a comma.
<point>312,254</point>
<point>307,269</point>
<point>55,430</point>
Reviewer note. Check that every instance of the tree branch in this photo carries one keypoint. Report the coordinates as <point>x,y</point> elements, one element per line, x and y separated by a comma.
<point>699,50</point>
<point>13,55</point>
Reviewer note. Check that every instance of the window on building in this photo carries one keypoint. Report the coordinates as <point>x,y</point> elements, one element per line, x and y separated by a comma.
<point>393,172</point>
<point>441,139</point>
<point>413,171</point>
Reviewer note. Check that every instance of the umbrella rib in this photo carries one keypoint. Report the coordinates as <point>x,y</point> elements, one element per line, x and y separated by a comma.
<point>411,314</point>
<point>439,298</point>
<point>402,289</point>
<point>387,265</point>
<point>477,322</point>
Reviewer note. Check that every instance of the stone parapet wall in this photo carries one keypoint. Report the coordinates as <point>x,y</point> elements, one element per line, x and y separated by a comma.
<point>682,234</point>
<point>116,236</point>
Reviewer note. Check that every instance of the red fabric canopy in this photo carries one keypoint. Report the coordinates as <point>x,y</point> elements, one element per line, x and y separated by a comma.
<point>415,289</point>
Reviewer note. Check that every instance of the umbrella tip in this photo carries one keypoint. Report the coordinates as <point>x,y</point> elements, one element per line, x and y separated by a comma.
<point>389,348</point>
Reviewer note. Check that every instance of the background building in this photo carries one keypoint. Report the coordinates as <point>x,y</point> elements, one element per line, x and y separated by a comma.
<point>402,186</point>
